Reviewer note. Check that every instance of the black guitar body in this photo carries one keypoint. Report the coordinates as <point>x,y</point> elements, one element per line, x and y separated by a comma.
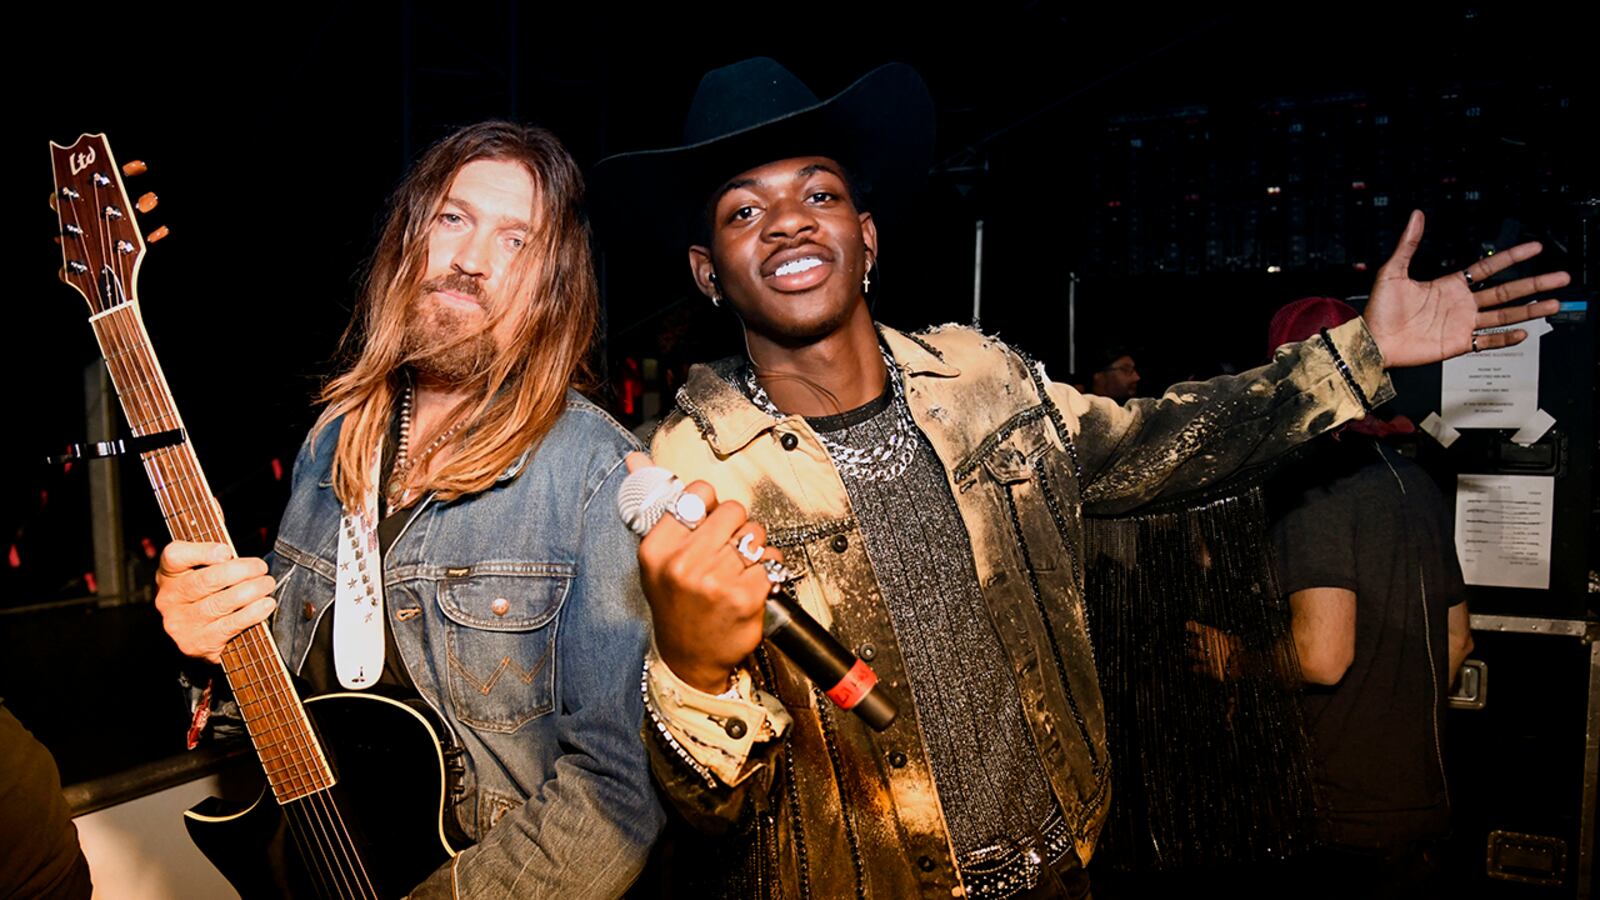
<point>389,799</point>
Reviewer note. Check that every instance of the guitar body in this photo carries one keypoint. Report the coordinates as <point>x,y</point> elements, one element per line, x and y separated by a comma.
<point>389,796</point>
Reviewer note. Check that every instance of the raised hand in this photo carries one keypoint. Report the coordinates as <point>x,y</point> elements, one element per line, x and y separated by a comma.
<point>706,587</point>
<point>206,596</point>
<point>1420,322</point>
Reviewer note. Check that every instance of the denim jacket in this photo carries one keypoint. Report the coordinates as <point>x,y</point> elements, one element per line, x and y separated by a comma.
<point>836,809</point>
<point>519,617</point>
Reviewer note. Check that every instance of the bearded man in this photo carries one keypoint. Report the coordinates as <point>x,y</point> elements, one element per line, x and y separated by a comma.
<point>929,490</point>
<point>455,443</point>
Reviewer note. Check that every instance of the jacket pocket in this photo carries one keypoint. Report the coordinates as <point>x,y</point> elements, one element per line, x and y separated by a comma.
<point>500,642</point>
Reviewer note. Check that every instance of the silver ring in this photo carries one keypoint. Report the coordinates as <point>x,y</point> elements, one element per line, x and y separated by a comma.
<point>688,509</point>
<point>776,573</point>
<point>1467,274</point>
<point>749,549</point>
<point>1474,342</point>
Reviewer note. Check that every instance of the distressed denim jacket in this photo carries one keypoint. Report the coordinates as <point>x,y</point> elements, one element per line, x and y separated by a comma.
<point>835,809</point>
<point>518,615</point>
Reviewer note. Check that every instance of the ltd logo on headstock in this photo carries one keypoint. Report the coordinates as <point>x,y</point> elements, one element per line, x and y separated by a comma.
<point>82,160</point>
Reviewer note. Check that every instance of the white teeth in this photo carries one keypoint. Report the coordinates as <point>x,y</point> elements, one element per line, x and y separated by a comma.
<point>796,266</point>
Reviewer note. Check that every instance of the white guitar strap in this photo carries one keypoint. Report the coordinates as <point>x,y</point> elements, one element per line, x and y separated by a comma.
<point>358,596</point>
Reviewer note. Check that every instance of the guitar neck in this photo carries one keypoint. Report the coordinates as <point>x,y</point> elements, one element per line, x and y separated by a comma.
<point>290,754</point>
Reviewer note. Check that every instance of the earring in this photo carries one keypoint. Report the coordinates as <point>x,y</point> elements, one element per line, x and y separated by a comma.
<point>716,298</point>
<point>866,278</point>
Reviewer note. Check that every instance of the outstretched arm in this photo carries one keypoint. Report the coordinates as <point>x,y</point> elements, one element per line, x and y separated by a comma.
<point>1201,432</point>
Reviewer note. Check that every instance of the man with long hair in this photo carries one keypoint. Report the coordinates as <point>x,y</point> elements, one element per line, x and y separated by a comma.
<point>929,488</point>
<point>454,443</point>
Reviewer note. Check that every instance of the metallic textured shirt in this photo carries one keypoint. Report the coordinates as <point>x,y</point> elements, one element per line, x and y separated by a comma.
<point>992,787</point>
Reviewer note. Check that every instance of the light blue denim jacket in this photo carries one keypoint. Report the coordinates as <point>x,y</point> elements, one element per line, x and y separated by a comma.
<point>543,694</point>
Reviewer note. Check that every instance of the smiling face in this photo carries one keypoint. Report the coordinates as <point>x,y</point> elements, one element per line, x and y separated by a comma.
<point>456,324</point>
<point>788,249</point>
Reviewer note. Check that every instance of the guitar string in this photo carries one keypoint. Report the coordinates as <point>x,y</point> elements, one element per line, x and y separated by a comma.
<point>321,832</point>
<point>187,486</point>
<point>102,224</point>
<point>326,836</point>
<point>311,845</point>
<point>144,414</point>
<point>330,811</point>
<point>344,830</point>
<point>309,850</point>
<point>316,801</point>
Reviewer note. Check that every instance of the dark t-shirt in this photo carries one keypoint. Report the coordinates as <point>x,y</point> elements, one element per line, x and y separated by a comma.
<point>1358,515</point>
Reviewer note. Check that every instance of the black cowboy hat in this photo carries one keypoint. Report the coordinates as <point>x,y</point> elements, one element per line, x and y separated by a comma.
<point>756,111</point>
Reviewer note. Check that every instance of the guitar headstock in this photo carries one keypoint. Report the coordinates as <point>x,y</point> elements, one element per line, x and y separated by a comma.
<point>101,247</point>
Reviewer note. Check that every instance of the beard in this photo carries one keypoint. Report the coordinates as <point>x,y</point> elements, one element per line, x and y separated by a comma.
<point>452,348</point>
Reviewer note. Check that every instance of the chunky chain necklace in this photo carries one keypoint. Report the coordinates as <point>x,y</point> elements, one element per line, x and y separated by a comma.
<point>885,461</point>
<point>404,464</point>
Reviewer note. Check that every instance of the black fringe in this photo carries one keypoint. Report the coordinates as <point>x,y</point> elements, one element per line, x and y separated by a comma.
<point>1205,773</point>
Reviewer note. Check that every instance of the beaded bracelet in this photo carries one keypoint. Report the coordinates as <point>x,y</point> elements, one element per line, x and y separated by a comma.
<point>1344,369</point>
<point>665,735</point>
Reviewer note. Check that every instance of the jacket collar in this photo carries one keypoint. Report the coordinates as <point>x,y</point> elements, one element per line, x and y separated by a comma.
<point>728,420</point>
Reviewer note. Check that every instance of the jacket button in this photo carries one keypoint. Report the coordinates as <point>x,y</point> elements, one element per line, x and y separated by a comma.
<point>867,652</point>
<point>925,863</point>
<point>310,611</point>
<point>897,759</point>
<point>789,441</point>
<point>500,606</point>
<point>735,728</point>
<point>840,543</point>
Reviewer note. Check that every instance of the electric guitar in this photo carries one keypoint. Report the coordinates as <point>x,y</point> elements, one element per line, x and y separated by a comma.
<point>354,797</point>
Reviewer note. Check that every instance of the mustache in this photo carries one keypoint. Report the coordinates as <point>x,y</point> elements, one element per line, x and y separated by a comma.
<point>456,283</point>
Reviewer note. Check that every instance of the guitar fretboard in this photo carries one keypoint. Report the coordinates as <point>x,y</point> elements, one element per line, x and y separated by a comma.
<point>273,714</point>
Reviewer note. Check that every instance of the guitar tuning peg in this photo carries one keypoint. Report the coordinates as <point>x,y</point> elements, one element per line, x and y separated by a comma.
<point>57,238</point>
<point>134,167</point>
<point>147,202</point>
<point>156,235</point>
<point>53,201</point>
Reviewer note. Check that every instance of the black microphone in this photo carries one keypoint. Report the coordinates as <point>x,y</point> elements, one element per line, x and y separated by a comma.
<point>652,492</point>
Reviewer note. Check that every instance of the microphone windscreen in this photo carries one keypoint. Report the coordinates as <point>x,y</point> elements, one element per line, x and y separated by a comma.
<point>645,496</point>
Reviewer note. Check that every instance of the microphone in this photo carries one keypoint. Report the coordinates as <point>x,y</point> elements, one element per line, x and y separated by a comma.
<point>652,492</point>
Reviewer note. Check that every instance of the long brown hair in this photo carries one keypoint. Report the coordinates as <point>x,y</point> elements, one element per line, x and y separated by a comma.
<point>551,291</point>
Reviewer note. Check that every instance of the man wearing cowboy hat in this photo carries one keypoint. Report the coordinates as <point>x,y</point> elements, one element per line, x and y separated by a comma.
<point>929,490</point>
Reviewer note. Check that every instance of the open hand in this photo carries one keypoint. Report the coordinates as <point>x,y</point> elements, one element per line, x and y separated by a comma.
<point>1420,322</point>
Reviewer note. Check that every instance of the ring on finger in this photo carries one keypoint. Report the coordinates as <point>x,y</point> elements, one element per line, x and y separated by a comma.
<point>1467,274</point>
<point>749,549</point>
<point>1475,347</point>
<point>688,509</point>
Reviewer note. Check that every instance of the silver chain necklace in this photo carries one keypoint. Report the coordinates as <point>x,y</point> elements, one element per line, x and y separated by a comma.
<point>885,461</point>
<point>403,463</point>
